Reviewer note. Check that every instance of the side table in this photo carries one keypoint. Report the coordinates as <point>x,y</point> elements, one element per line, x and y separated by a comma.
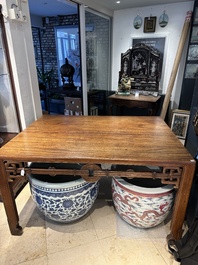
<point>131,101</point>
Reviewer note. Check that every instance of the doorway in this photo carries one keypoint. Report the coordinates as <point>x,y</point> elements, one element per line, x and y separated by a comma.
<point>60,37</point>
<point>55,39</point>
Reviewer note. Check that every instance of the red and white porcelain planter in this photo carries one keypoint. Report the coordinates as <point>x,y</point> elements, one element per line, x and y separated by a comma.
<point>142,207</point>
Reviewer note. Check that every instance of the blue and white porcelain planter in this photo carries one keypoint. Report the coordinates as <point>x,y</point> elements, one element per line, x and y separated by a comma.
<point>142,207</point>
<point>66,201</point>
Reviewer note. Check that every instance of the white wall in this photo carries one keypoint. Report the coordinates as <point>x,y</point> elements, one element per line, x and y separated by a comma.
<point>124,32</point>
<point>23,64</point>
<point>36,21</point>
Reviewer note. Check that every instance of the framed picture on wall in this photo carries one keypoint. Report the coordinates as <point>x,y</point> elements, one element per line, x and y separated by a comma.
<point>194,36</point>
<point>191,71</point>
<point>196,16</point>
<point>179,122</point>
<point>149,24</point>
<point>193,52</point>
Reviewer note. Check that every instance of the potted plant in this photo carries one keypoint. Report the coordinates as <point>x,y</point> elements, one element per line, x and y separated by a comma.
<point>44,78</point>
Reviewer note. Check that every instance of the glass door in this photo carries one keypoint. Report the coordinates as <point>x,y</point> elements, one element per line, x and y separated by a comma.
<point>98,61</point>
<point>57,46</point>
<point>9,113</point>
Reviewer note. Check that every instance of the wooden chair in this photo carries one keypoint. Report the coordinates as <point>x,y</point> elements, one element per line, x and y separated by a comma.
<point>73,106</point>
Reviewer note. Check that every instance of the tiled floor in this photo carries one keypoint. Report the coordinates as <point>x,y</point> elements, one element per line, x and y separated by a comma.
<point>100,238</point>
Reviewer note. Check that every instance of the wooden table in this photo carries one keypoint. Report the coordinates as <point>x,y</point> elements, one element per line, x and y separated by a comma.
<point>96,140</point>
<point>131,101</point>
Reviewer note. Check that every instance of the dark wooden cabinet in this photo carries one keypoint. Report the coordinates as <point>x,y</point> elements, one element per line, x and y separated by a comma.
<point>191,66</point>
<point>189,92</point>
<point>192,138</point>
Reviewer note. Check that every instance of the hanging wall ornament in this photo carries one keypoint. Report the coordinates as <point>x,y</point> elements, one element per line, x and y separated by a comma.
<point>163,20</point>
<point>137,23</point>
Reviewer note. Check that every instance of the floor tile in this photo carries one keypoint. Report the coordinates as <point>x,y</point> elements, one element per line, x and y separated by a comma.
<point>66,236</point>
<point>29,246</point>
<point>103,218</point>
<point>86,254</point>
<point>134,252</point>
<point>101,237</point>
<point>3,219</point>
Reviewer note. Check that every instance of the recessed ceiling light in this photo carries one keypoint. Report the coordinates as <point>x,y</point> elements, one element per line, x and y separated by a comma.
<point>117,2</point>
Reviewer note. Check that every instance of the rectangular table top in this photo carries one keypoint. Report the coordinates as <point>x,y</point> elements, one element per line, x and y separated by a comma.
<point>97,139</point>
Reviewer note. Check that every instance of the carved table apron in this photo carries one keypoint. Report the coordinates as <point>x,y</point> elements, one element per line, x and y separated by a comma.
<point>97,142</point>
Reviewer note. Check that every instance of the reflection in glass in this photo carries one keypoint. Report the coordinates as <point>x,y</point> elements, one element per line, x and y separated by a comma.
<point>67,38</point>
<point>98,32</point>
<point>8,114</point>
<point>97,50</point>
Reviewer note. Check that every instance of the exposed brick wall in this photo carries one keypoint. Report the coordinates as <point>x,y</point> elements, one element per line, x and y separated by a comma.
<point>46,37</point>
<point>97,73</point>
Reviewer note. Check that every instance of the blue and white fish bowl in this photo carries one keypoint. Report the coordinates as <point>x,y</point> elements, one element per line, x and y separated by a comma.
<point>144,204</point>
<point>63,199</point>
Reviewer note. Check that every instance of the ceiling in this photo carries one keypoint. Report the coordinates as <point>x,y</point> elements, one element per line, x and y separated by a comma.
<point>64,7</point>
<point>49,8</point>
<point>124,4</point>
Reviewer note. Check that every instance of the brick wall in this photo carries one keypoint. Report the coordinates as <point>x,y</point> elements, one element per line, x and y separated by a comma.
<point>97,47</point>
<point>45,43</point>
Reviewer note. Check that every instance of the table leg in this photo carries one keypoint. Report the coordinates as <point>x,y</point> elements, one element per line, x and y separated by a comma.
<point>9,202</point>
<point>110,109</point>
<point>47,102</point>
<point>181,202</point>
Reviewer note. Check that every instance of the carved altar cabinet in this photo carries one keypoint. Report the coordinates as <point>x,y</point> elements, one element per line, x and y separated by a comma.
<point>141,64</point>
